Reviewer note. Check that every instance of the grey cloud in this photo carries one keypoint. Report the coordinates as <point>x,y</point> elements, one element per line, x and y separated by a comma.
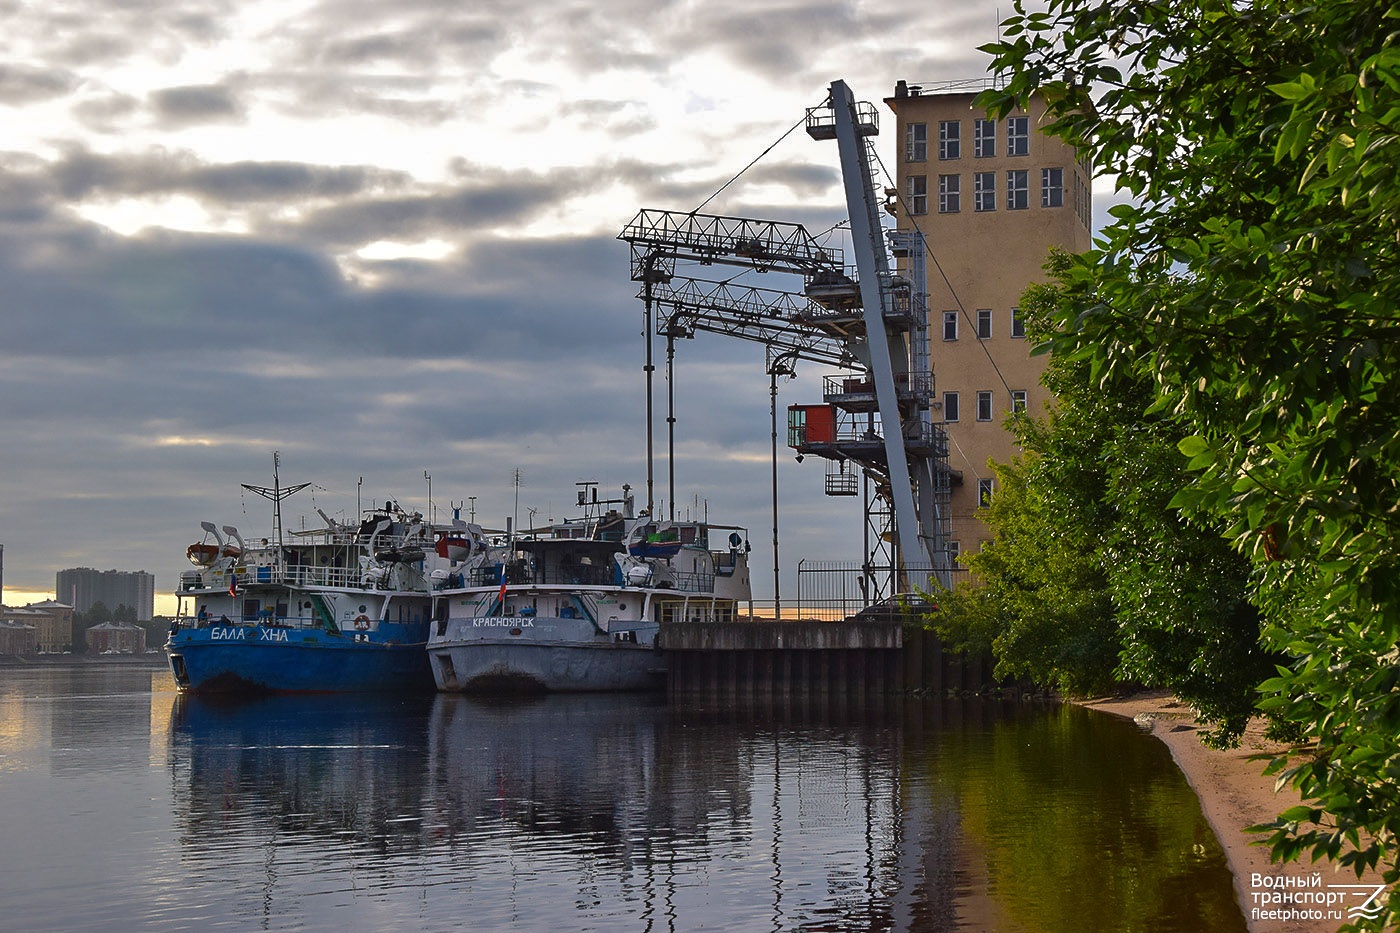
<point>429,37</point>
<point>405,37</point>
<point>81,34</point>
<point>805,179</point>
<point>207,103</point>
<point>106,112</point>
<point>26,84</point>
<point>82,174</point>
<point>488,197</point>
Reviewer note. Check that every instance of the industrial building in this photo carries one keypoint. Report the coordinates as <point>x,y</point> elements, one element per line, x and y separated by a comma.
<point>991,197</point>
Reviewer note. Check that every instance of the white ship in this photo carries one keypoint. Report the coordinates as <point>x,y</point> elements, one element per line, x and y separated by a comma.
<point>577,606</point>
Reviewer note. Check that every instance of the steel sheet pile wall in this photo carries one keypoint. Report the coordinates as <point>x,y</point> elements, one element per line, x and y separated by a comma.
<point>807,660</point>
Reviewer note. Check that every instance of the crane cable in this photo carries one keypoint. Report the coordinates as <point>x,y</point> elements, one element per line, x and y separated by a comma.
<point>741,171</point>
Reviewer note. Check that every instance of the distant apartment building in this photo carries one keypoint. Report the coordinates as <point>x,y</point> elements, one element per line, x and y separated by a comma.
<point>51,621</point>
<point>85,587</point>
<point>17,638</point>
<point>991,196</point>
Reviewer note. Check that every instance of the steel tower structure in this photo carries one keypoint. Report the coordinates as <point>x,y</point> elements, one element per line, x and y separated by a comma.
<point>873,325</point>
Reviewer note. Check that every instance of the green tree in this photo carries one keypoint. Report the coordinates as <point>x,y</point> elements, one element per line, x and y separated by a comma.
<point>1040,606</point>
<point>1092,578</point>
<point>1253,276</point>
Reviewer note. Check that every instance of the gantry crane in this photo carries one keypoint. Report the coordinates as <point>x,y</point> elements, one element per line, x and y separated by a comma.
<point>873,325</point>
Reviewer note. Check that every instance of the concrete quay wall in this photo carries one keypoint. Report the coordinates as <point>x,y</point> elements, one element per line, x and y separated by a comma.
<point>772,636</point>
<point>856,660</point>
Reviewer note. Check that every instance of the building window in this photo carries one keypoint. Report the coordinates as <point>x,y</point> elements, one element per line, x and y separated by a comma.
<point>1018,136</point>
<point>916,142</point>
<point>984,138</point>
<point>984,405</point>
<point>1018,400</point>
<point>918,194</point>
<point>950,406</point>
<point>1018,197</point>
<point>954,549</point>
<point>949,139</point>
<point>950,325</point>
<point>984,323</point>
<point>984,191</point>
<point>984,493</point>
<point>949,194</point>
<point>1052,187</point>
<point>1018,324</point>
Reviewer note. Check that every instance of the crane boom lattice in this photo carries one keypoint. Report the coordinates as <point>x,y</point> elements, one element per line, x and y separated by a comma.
<point>873,324</point>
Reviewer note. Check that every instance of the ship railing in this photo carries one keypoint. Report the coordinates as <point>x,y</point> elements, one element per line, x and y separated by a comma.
<point>580,574</point>
<point>693,582</point>
<point>290,574</point>
<point>309,575</point>
<point>687,582</point>
<point>305,575</point>
<point>262,618</point>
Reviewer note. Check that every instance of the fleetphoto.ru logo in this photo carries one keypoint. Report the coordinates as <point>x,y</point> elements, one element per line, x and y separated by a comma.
<point>1291,897</point>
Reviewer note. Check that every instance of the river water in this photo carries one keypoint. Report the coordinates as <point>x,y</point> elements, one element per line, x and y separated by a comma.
<point>126,806</point>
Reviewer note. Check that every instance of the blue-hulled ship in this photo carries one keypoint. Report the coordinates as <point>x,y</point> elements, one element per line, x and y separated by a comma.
<point>341,608</point>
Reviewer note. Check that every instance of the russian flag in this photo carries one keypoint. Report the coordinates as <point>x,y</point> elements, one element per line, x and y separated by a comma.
<point>233,584</point>
<point>501,596</point>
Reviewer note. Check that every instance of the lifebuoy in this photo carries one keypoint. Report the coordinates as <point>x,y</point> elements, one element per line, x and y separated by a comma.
<point>362,621</point>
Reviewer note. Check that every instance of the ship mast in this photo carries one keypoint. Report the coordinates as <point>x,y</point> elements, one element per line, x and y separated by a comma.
<point>276,493</point>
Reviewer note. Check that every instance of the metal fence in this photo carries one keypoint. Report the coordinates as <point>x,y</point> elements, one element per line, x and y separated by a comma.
<point>832,590</point>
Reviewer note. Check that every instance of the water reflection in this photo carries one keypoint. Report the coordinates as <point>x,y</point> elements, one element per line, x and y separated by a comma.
<point>592,813</point>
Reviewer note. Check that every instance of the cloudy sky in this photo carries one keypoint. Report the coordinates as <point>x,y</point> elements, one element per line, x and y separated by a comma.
<point>380,238</point>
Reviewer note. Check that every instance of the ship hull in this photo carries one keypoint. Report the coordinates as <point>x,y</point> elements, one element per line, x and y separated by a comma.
<point>274,659</point>
<point>542,655</point>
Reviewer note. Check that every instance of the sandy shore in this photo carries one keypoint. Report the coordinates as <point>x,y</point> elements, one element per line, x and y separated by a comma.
<point>1234,794</point>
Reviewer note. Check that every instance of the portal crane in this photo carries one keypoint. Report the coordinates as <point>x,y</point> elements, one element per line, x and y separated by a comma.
<point>872,325</point>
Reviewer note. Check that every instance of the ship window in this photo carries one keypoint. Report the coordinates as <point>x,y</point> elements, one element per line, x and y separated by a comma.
<point>250,609</point>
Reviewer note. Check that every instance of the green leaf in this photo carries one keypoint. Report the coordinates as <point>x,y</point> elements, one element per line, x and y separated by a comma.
<point>1193,445</point>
